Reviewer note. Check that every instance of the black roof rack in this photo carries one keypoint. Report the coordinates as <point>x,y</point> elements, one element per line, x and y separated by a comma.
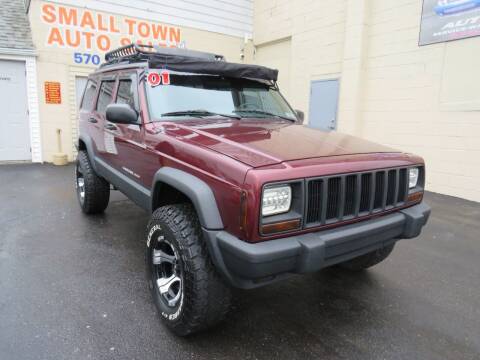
<point>187,61</point>
<point>138,52</point>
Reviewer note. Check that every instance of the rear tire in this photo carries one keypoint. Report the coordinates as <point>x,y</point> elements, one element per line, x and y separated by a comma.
<point>93,191</point>
<point>368,260</point>
<point>189,294</point>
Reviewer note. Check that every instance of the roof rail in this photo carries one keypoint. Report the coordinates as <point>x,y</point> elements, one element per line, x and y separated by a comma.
<point>139,52</point>
<point>126,51</point>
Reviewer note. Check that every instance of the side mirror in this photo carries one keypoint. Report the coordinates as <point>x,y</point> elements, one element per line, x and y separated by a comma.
<point>121,114</point>
<point>300,116</point>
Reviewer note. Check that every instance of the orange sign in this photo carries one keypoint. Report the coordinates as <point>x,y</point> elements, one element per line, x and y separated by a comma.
<point>80,28</point>
<point>53,94</point>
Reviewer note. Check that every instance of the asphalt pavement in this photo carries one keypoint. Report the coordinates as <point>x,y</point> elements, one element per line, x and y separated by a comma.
<point>73,287</point>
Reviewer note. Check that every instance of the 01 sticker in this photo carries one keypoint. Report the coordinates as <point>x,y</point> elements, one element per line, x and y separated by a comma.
<point>158,78</point>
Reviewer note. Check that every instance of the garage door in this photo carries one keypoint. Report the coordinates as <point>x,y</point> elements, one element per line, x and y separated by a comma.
<point>277,55</point>
<point>14,127</point>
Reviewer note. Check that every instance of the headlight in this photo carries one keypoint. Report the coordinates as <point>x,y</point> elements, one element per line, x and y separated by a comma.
<point>413,177</point>
<point>276,200</point>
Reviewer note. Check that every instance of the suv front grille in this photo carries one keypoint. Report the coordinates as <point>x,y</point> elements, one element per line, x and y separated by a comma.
<point>343,197</point>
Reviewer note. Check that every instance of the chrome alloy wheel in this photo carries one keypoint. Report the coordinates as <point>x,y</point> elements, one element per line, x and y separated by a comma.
<point>80,184</point>
<point>168,272</point>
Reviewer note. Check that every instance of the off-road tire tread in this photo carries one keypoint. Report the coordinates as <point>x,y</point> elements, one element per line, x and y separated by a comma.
<point>97,189</point>
<point>368,260</point>
<point>210,300</point>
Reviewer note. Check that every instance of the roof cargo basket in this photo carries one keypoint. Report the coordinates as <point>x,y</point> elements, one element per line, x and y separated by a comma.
<point>138,52</point>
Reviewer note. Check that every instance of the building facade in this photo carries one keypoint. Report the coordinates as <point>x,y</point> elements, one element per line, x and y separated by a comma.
<point>384,70</point>
<point>357,66</point>
<point>72,36</point>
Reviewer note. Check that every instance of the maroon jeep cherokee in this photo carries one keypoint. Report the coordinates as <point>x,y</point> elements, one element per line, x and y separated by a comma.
<point>241,193</point>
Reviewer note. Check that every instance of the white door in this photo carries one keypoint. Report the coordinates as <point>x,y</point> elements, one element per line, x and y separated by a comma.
<point>323,104</point>
<point>14,126</point>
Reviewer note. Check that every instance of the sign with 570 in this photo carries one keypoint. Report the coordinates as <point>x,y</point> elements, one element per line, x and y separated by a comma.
<point>86,58</point>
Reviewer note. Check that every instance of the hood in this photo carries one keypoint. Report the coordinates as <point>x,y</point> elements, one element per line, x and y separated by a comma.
<point>262,142</point>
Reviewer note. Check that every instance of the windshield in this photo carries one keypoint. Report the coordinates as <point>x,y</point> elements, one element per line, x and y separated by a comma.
<point>205,95</point>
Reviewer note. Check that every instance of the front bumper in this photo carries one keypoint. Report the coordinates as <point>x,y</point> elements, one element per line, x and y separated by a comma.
<point>246,265</point>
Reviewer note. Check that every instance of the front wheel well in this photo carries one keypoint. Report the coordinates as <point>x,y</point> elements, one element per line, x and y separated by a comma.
<point>81,145</point>
<point>165,194</point>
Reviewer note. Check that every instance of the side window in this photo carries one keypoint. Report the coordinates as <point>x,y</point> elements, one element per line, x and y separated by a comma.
<point>105,95</point>
<point>251,98</point>
<point>126,93</point>
<point>262,99</point>
<point>89,95</point>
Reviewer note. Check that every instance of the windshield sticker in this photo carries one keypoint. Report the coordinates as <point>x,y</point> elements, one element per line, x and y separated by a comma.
<point>158,78</point>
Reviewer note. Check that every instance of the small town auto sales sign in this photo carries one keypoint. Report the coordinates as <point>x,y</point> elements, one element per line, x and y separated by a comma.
<point>96,31</point>
<point>447,20</point>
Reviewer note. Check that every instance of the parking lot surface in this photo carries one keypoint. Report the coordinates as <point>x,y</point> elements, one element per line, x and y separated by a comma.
<point>72,287</point>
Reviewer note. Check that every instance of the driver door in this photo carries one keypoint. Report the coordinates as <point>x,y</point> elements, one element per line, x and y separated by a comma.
<point>125,142</point>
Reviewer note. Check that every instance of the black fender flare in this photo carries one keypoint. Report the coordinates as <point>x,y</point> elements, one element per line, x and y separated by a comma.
<point>87,140</point>
<point>194,188</point>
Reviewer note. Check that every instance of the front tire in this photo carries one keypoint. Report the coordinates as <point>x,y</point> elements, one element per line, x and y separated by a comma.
<point>368,260</point>
<point>188,292</point>
<point>93,191</point>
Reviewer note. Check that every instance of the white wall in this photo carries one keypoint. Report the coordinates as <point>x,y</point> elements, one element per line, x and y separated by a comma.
<point>316,33</point>
<point>424,100</point>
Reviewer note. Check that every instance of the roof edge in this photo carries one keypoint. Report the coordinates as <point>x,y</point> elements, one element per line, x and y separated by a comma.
<point>18,52</point>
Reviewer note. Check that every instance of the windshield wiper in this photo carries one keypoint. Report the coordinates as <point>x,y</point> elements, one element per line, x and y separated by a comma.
<point>265,113</point>
<point>199,113</point>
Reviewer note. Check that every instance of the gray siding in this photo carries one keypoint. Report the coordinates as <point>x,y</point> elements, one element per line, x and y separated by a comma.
<point>14,26</point>
<point>230,17</point>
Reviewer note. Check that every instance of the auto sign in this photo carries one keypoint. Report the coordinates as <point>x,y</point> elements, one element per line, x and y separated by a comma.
<point>446,20</point>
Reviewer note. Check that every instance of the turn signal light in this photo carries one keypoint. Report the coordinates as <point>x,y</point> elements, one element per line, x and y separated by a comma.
<point>280,227</point>
<point>415,197</point>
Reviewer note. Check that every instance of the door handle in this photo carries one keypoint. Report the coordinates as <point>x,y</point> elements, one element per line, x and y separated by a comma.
<point>93,120</point>
<point>110,127</point>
